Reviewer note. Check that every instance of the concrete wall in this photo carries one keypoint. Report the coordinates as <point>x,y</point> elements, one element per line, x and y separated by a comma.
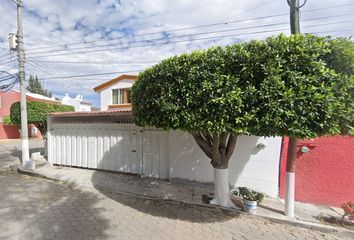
<point>258,169</point>
<point>9,132</point>
<point>6,100</point>
<point>324,175</point>
<point>106,94</point>
<point>172,154</point>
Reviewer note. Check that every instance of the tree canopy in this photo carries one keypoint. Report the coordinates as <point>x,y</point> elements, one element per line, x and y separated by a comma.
<point>281,86</point>
<point>35,86</point>
<point>37,113</point>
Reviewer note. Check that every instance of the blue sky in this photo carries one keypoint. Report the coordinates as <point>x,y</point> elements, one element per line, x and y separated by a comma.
<point>120,29</point>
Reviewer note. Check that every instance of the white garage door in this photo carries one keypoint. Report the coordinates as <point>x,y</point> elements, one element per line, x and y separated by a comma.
<point>115,147</point>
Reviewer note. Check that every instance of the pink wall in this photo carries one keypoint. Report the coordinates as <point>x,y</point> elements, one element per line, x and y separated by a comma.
<point>12,132</point>
<point>9,132</point>
<point>324,175</point>
<point>6,100</point>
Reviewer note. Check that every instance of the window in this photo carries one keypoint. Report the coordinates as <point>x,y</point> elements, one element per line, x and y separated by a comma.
<point>120,96</point>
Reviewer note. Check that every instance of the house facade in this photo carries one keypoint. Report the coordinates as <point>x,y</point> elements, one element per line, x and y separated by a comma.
<point>78,103</point>
<point>6,100</point>
<point>116,92</point>
<point>109,140</point>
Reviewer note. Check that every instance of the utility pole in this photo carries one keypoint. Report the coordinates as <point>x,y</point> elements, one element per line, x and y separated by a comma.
<point>292,147</point>
<point>21,75</point>
<point>294,16</point>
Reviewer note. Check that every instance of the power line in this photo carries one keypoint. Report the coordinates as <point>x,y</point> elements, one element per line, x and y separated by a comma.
<point>189,28</point>
<point>92,74</point>
<point>160,32</point>
<point>13,1</point>
<point>154,44</point>
<point>194,34</point>
<point>166,39</point>
<point>97,62</point>
<point>188,40</point>
<point>332,31</point>
<point>329,7</point>
<point>5,63</point>
<point>16,65</point>
<point>4,59</point>
<point>7,87</point>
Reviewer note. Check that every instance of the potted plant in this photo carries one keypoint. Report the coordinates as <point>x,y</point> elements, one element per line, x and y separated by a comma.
<point>348,211</point>
<point>250,199</point>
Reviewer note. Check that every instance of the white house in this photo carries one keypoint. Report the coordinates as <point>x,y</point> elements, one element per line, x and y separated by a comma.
<point>116,92</point>
<point>78,103</point>
<point>109,140</point>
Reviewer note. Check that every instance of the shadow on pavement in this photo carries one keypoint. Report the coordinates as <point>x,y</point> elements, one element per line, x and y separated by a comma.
<point>167,209</point>
<point>34,208</point>
<point>10,152</point>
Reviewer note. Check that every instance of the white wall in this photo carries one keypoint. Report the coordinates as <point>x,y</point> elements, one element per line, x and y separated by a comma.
<point>85,107</point>
<point>172,154</point>
<point>76,103</point>
<point>106,94</point>
<point>258,169</point>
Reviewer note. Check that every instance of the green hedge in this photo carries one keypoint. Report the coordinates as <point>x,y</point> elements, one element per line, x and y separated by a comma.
<point>37,113</point>
<point>281,86</point>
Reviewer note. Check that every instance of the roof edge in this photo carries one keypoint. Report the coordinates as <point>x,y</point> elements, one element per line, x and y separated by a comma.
<point>113,81</point>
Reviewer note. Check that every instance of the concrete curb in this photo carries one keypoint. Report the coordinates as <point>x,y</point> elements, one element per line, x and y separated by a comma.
<point>294,222</point>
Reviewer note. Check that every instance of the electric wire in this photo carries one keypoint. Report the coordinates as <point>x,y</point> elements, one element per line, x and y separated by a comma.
<point>193,27</point>
<point>191,34</point>
<point>179,41</point>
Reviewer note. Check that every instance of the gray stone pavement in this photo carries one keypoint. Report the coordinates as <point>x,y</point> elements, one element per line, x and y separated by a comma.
<point>35,208</point>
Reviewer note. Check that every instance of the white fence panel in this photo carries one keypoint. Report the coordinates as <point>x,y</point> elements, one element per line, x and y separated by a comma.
<point>155,154</point>
<point>115,147</point>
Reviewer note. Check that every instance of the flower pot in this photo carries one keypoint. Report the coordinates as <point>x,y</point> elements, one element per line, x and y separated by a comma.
<point>249,206</point>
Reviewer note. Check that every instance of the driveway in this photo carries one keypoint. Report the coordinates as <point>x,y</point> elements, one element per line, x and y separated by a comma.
<point>34,208</point>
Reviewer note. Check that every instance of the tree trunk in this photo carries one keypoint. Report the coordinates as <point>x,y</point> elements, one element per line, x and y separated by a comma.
<point>221,188</point>
<point>290,178</point>
<point>219,148</point>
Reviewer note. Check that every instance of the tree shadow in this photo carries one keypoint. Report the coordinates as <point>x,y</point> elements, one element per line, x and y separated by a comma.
<point>33,208</point>
<point>135,192</point>
<point>171,209</point>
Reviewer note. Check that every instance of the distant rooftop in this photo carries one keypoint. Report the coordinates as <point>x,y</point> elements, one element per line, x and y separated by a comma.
<point>39,96</point>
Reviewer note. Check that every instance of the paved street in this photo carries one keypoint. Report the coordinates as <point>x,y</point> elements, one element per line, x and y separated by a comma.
<point>33,208</point>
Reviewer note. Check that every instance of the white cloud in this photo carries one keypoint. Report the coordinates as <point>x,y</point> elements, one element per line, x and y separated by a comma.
<point>51,23</point>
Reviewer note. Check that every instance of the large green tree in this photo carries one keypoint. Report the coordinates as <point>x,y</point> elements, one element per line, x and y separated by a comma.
<point>281,86</point>
<point>37,113</point>
<point>35,86</point>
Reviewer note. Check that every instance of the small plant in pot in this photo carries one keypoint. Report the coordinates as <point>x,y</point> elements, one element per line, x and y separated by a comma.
<point>250,199</point>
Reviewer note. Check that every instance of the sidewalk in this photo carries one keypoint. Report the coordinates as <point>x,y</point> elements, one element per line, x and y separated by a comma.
<point>185,192</point>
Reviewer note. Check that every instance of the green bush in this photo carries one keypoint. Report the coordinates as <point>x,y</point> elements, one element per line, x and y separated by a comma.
<point>282,86</point>
<point>7,120</point>
<point>250,194</point>
<point>37,113</point>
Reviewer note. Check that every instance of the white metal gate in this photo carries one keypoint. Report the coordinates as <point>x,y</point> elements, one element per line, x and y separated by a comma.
<point>115,147</point>
<point>155,154</point>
